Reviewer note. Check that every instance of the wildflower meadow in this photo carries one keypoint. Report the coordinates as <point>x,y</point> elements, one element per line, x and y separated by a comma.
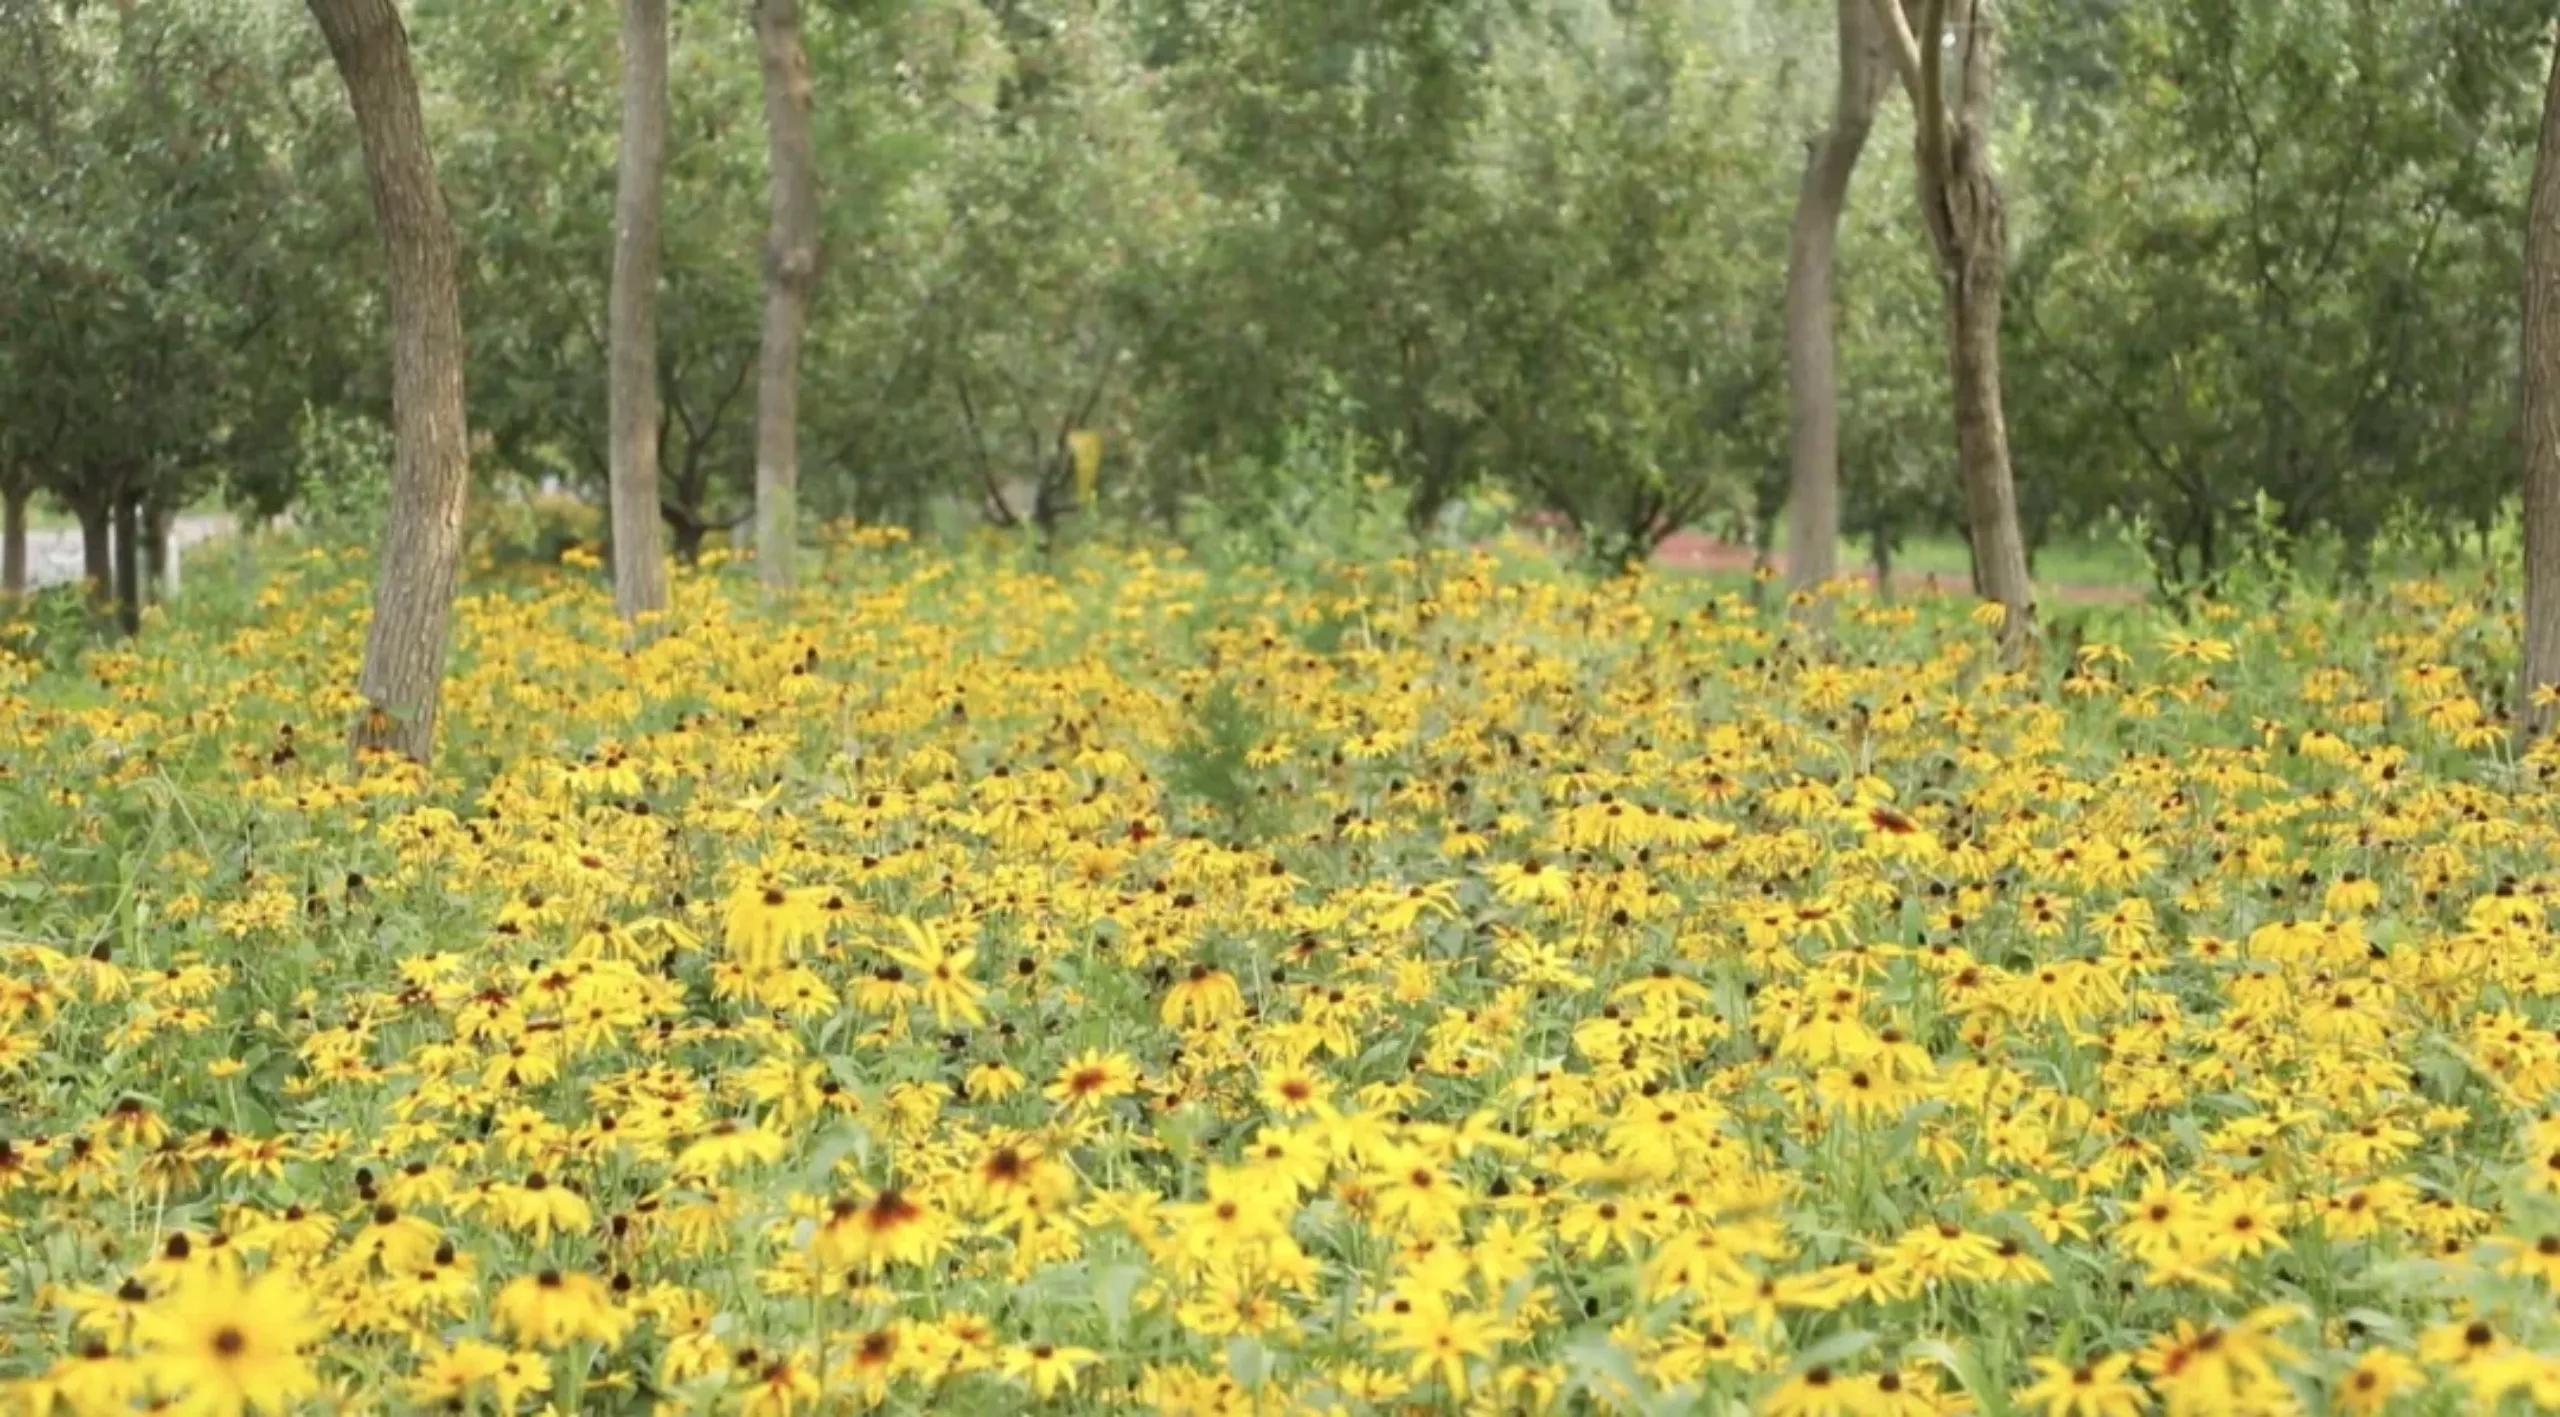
<point>982,982</point>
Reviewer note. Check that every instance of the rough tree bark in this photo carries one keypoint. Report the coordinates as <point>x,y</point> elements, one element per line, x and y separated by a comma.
<point>2542,417</point>
<point>1813,375</point>
<point>639,558</point>
<point>1961,206</point>
<point>790,274</point>
<point>404,652</point>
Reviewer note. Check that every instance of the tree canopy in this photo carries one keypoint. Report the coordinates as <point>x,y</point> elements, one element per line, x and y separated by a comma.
<point>2260,255</point>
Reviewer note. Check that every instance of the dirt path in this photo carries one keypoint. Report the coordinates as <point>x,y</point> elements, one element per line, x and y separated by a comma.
<point>1697,551</point>
<point>53,552</point>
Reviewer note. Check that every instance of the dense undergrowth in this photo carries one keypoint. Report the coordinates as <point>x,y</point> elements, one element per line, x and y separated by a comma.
<point>1432,984</point>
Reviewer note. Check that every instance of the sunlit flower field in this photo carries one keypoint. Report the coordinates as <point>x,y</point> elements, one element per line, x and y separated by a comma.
<point>1443,985</point>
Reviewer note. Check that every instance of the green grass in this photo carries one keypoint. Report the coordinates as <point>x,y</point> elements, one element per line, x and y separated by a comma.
<point>2104,561</point>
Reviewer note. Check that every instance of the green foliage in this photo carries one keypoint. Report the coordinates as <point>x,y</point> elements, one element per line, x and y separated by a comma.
<point>342,462</point>
<point>2273,254</point>
<point>1470,245</point>
<point>52,627</point>
<point>170,292</point>
<point>1208,767</point>
<point>529,529</point>
<point>1635,376</point>
<point>1320,499</point>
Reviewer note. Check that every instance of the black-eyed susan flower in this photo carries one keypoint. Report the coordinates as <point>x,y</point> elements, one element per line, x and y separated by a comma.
<point>224,1347</point>
<point>553,1308</point>
<point>2099,1386</point>
<point>1048,1368</point>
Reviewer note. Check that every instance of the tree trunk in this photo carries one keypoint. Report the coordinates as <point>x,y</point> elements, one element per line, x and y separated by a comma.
<point>159,568</point>
<point>129,563</point>
<point>790,274</point>
<point>404,652</point>
<point>2542,418</point>
<point>13,541</point>
<point>1813,375</point>
<point>688,539</point>
<point>97,560</point>
<point>639,562</point>
<point>1961,205</point>
<point>1982,443</point>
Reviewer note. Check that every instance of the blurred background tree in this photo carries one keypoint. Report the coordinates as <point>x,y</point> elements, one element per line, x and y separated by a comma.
<point>1533,248</point>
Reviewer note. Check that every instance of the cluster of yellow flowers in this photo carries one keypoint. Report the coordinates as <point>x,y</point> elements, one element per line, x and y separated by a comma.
<point>1451,986</point>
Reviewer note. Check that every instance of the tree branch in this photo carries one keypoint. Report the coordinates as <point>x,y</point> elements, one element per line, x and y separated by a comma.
<point>1901,45</point>
<point>1002,510</point>
<point>1929,100</point>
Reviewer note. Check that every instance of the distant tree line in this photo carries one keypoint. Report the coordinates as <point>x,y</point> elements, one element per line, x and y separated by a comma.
<point>2163,261</point>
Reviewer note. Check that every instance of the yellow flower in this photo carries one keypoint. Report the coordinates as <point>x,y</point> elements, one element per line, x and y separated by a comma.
<point>767,924</point>
<point>225,1347</point>
<point>890,1228</point>
<point>452,1376</point>
<point>1205,997</point>
<point>1442,1342</point>
<point>94,1380</point>
<point>2377,1377</point>
<point>2096,1388</point>
<point>540,1206</point>
<point>1530,882</point>
<point>943,975</point>
<point>728,1146</point>
<point>1818,1391</point>
<point>779,1389</point>
<point>1048,1367</point>
<point>111,1314</point>
<point>552,1309</point>
<point>1093,1078</point>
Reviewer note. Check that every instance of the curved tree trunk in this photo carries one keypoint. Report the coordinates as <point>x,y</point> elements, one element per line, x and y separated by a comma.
<point>639,560</point>
<point>2542,418</point>
<point>404,651</point>
<point>790,274</point>
<point>1960,203</point>
<point>1813,375</point>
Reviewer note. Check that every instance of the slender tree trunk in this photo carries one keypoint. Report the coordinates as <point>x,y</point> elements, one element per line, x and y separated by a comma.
<point>159,568</point>
<point>639,561</point>
<point>129,563</point>
<point>1813,375</point>
<point>97,556</point>
<point>404,652</point>
<point>2542,417</point>
<point>13,541</point>
<point>1960,203</point>
<point>790,274</point>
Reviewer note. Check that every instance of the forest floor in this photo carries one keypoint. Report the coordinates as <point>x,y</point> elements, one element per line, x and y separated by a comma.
<point>1694,550</point>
